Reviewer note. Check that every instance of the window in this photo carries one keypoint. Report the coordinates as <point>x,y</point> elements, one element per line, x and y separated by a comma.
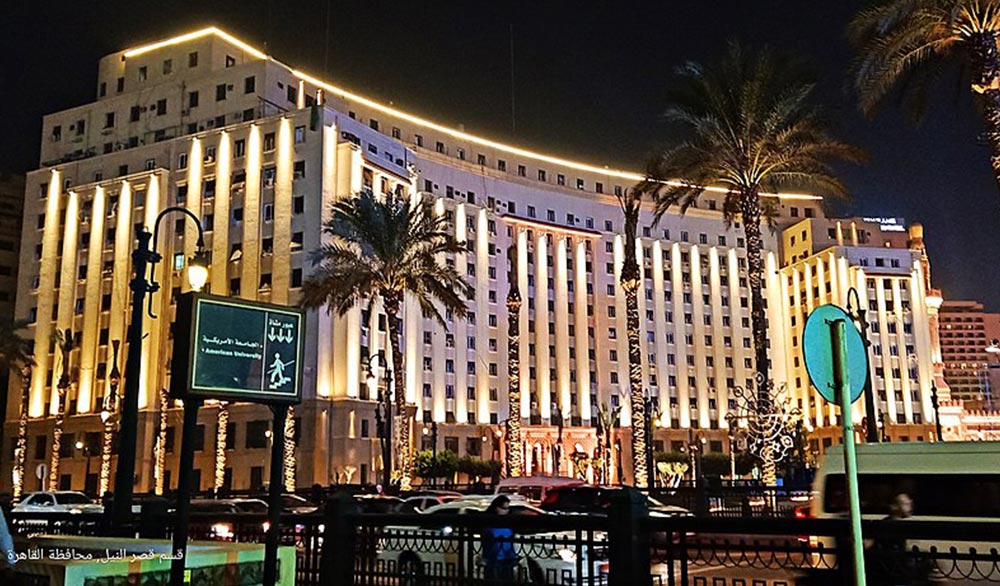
<point>257,434</point>
<point>298,204</point>
<point>168,66</point>
<point>249,85</point>
<point>240,148</point>
<point>300,134</point>
<point>81,127</point>
<point>220,92</point>
<point>193,59</point>
<point>109,120</point>
<point>143,73</point>
<point>161,107</point>
<point>579,184</point>
<point>292,93</point>
<point>269,142</point>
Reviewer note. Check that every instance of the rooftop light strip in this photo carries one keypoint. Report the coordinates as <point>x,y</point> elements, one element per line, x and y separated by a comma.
<point>626,175</point>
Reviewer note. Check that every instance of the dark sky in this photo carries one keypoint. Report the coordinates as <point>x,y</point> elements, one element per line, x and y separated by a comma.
<point>590,77</point>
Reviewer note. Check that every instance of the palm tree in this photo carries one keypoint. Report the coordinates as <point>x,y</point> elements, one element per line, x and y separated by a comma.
<point>387,247</point>
<point>747,124</point>
<point>904,44</point>
<point>15,354</point>
<point>630,202</point>
<point>515,453</point>
<point>66,343</point>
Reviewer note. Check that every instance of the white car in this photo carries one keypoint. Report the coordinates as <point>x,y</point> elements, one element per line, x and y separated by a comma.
<point>419,504</point>
<point>62,501</point>
<point>419,554</point>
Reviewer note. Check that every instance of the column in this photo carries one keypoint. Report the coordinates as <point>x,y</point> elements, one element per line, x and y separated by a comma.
<point>562,342</point>
<point>581,340</point>
<point>92,301</point>
<point>46,295</point>
<point>461,328</point>
<point>152,331</point>
<point>282,234</point>
<point>698,331</point>
<point>250,262</point>
<point>195,162</point>
<point>680,346</point>
<point>67,288</point>
<point>483,284</point>
<point>542,327</point>
<point>120,294</point>
<point>219,272</point>
<point>660,327</point>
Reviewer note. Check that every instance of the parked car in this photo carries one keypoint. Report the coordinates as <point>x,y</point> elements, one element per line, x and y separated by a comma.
<point>534,488</point>
<point>60,501</point>
<point>596,500</point>
<point>548,558</point>
<point>416,504</point>
<point>377,503</point>
<point>294,503</point>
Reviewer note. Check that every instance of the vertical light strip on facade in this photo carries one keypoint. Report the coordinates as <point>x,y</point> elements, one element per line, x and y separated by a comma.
<point>542,377</point>
<point>660,325</point>
<point>562,339</point>
<point>219,271</point>
<point>152,330</point>
<point>92,299</point>
<point>251,217</point>
<point>525,338</point>
<point>46,295</point>
<point>120,294</point>
<point>460,327</point>
<point>698,330</point>
<point>681,347</point>
<point>196,162</point>
<point>581,340</point>
<point>324,341</point>
<point>718,331</point>
<point>67,291</point>
<point>282,214</point>
<point>485,283</point>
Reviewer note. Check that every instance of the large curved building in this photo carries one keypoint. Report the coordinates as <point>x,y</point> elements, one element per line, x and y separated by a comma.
<point>259,151</point>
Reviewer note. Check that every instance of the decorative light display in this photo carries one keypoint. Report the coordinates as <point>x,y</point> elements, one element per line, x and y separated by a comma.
<point>108,411</point>
<point>289,455</point>
<point>21,451</point>
<point>66,345</point>
<point>160,450</point>
<point>515,457</point>
<point>630,282</point>
<point>221,433</point>
<point>771,422</point>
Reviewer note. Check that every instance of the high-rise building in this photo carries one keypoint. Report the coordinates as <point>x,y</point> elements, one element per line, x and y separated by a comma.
<point>828,258</point>
<point>11,204</point>
<point>967,329</point>
<point>259,151</point>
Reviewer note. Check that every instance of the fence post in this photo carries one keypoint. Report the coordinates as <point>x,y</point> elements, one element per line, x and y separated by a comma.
<point>339,541</point>
<point>628,539</point>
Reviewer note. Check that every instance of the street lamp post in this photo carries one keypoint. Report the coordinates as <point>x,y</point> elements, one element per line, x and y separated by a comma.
<point>860,320</point>
<point>383,415</point>
<point>144,258</point>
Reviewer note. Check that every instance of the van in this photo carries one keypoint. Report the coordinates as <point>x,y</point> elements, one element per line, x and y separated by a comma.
<point>534,488</point>
<point>954,482</point>
<point>947,481</point>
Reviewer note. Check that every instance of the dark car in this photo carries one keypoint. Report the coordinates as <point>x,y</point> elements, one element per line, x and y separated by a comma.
<point>596,500</point>
<point>377,503</point>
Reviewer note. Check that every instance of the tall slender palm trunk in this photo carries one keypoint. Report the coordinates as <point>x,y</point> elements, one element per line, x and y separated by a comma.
<point>750,211</point>
<point>289,453</point>
<point>21,452</point>
<point>391,302</point>
<point>57,432</point>
<point>637,401</point>
<point>160,454</point>
<point>221,433</point>
<point>515,455</point>
<point>986,66</point>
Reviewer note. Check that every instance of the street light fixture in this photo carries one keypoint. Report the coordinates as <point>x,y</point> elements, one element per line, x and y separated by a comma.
<point>144,259</point>
<point>383,412</point>
<point>861,322</point>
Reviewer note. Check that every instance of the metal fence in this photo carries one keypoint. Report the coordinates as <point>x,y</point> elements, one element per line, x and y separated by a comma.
<point>625,547</point>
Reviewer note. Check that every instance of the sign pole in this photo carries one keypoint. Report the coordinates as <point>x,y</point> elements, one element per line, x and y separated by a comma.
<point>274,494</point>
<point>841,383</point>
<point>184,478</point>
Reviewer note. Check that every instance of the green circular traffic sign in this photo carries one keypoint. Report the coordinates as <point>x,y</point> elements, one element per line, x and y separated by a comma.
<point>817,349</point>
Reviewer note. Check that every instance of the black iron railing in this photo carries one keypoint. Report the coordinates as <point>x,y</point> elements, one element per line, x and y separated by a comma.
<point>625,547</point>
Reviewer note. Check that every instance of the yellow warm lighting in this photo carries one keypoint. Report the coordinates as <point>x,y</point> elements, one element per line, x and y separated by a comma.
<point>193,36</point>
<point>326,87</point>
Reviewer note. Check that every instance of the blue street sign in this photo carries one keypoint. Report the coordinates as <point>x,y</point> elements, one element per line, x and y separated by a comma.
<point>817,349</point>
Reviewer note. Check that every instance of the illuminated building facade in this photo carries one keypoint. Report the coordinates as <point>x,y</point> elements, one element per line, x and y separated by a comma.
<point>259,151</point>
<point>966,331</point>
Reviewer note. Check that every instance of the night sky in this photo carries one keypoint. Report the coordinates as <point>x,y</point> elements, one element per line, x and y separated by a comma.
<point>589,82</point>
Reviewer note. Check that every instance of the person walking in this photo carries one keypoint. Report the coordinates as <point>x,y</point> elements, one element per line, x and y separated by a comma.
<point>499,557</point>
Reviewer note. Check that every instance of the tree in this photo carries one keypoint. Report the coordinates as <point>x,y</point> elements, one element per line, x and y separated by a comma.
<point>387,247</point>
<point>630,202</point>
<point>747,125</point>
<point>903,45</point>
<point>15,355</point>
